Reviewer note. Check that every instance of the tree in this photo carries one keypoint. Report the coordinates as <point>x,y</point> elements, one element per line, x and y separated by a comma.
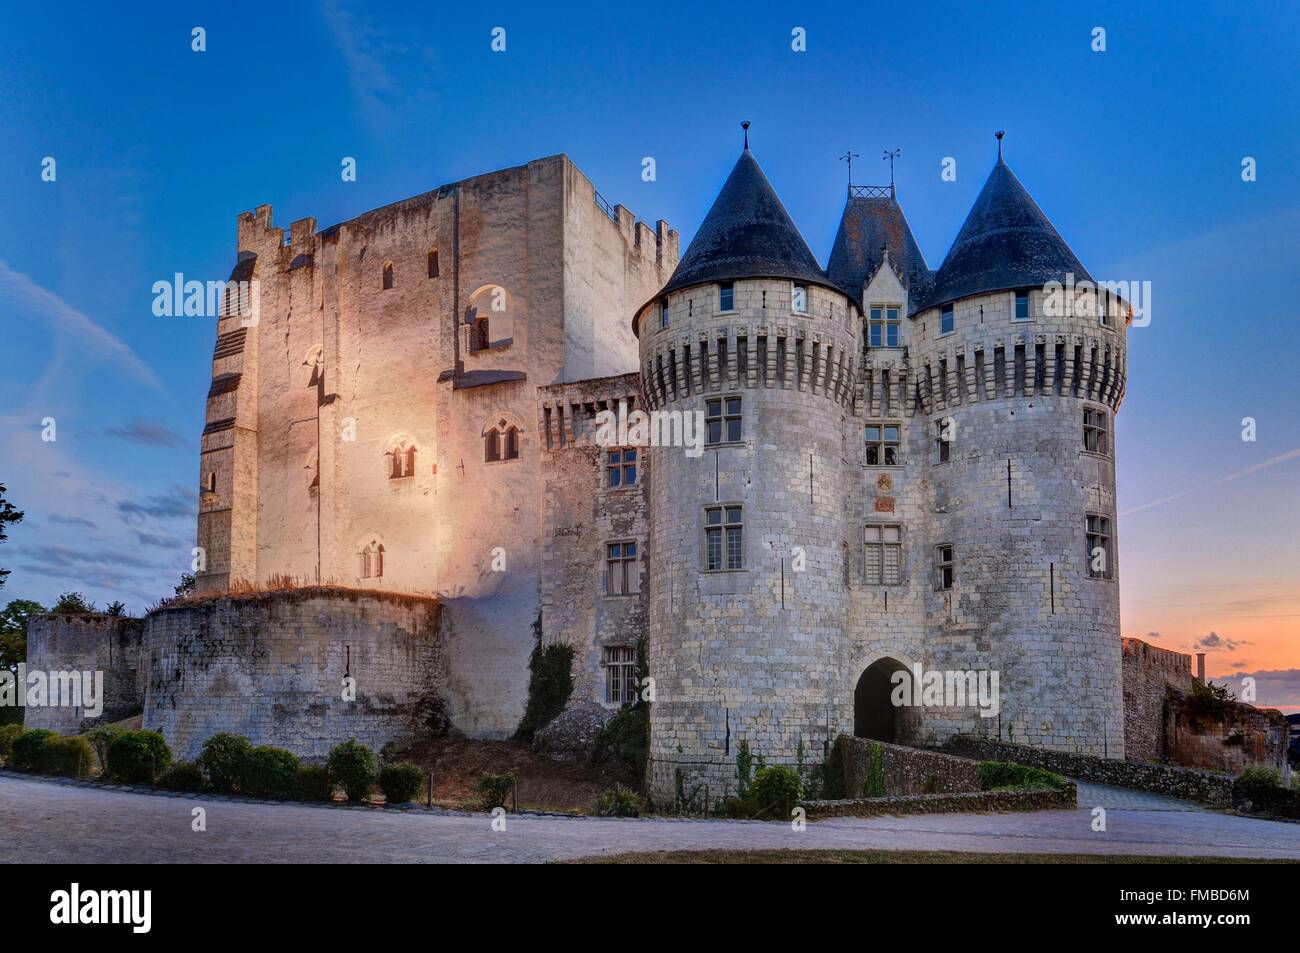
<point>8,514</point>
<point>187,584</point>
<point>73,603</point>
<point>116,608</point>
<point>13,631</point>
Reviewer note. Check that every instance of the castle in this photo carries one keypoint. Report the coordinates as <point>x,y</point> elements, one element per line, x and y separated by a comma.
<point>903,469</point>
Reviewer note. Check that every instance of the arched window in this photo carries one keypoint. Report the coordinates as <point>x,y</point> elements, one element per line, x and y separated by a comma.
<point>479,338</point>
<point>388,275</point>
<point>401,458</point>
<point>512,443</point>
<point>490,303</point>
<point>372,560</point>
<point>379,561</point>
<point>492,445</point>
<point>365,562</point>
<point>501,441</point>
<point>409,461</point>
<point>433,262</point>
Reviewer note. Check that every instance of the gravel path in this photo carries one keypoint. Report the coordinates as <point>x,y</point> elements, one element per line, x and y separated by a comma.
<point>44,821</point>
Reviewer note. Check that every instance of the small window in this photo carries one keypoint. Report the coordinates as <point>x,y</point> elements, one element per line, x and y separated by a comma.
<point>799,299</point>
<point>883,326</point>
<point>372,561</point>
<point>622,577</point>
<point>388,275</point>
<point>620,467</point>
<point>723,537</point>
<point>478,335</point>
<point>883,445</point>
<point>433,263</point>
<point>512,444</point>
<point>401,462</point>
<point>945,319</point>
<point>884,555</point>
<point>210,482</point>
<point>727,296</point>
<point>1095,436</point>
<point>492,446</point>
<point>943,566</point>
<point>943,434</point>
<point>1098,555</point>
<point>663,314</point>
<point>620,674</point>
<point>1022,306</point>
<point>722,420</point>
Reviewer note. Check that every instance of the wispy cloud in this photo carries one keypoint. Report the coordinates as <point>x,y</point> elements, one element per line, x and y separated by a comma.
<point>367,51</point>
<point>1217,643</point>
<point>20,293</point>
<point>1271,462</point>
<point>178,502</point>
<point>148,432</point>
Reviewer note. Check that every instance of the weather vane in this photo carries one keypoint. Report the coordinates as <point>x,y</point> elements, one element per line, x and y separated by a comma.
<point>848,157</point>
<point>891,155</point>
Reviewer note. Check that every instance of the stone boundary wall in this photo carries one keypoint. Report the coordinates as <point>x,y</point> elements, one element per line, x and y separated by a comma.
<point>1185,783</point>
<point>1149,672</point>
<point>91,642</point>
<point>966,801</point>
<point>906,771</point>
<point>1225,740</point>
<point>271,665</point>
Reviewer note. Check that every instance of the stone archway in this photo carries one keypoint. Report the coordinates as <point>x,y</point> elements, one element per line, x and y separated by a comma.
<point>874,714</point>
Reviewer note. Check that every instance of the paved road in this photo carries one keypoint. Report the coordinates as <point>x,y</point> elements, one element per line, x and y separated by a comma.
<point>43,821</point>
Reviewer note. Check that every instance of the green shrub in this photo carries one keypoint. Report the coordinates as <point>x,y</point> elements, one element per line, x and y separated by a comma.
<point>100,737</point>
<point>352,766</point>
<point>224,759</point>
<point>775,791</point>
<point>623,741</point>
<point>270,772</point>
<point>313,783</point>
<point>71,756</point>
<point>138,756</point>
<point>873,782</point>
<point>7,735</point>
<point>400,782</point>
<point>1007,774</point>
<point>833,772</point>
<point>495,790</point>
<point>618,801</point>
<point>550,683</point>
<point>30,749</point>
<point>1258,782</point>
<point>182,776</point>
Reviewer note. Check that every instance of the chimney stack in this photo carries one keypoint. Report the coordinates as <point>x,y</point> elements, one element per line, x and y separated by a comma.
<point>1200,667</point>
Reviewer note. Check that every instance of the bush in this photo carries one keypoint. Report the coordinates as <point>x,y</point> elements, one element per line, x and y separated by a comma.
<point>71,756</point>
<point>550,683</point>
<point>400,782</point>
<point>138,756</point>
<point>1258,782</point>
<point>270,772</point>
<point>775,791</point>
<point>224,759</point>
<point>623,741</point>
<point>352,765</point>
<point>30,749</point>
<point>313,783</point>
<point>7,735</point>
<point>182,776</point>
<point>1007,774</point>
<point>100,737</point>
<point>495,790</point>
<point>618,801</point>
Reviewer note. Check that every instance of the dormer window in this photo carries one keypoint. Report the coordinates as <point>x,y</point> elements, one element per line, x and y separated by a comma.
<point>883,324</point>
<point>727,296</point>
<point>1022,306</point>
<point>799,299</point>
<point>945,319</point>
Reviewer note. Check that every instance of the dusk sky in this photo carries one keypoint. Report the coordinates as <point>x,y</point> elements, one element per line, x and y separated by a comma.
<point>1136,154</point>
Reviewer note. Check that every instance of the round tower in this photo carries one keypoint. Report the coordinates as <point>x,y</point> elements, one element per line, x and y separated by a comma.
<point>750,538</point>
<point>1019,372</point>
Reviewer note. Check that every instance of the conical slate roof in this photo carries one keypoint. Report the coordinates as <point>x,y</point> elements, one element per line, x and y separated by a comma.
<point>869,225</point>
<point>1006,243</point>
<point>747,234</point>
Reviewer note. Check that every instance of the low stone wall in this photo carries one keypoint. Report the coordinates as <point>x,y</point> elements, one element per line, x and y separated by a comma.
<point>271,666</point>
<point>1227,739</point>
<point>903,771</point>
<point>92,642</point>
<point>1149,673</point>
<point>1188,783</point>
<point>967,801</point>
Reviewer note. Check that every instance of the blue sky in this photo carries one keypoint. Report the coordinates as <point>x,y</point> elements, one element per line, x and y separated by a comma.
<point>1135,154</point>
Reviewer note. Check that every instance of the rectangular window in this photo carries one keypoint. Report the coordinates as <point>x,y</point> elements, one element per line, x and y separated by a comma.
<point>622,578</point>
<point>799,299</point>
<point>620,674</point>
<point>884,555</point>
<point>663,314</point>
<point>1095,437</point>
<point>433,263</point>
<point>722,420</point>
<point>883,445</point>
<point>943,566</point>
<point>943,439</point>
<point>945,319</point>
<point>727,297</point>
<point>1022,306</point>
<point>1098,547</point>
<point>620,467</point>
<point>883,324</point>
<point>723,537</point>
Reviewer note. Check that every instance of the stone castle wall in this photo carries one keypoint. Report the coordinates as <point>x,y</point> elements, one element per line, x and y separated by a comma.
<point>271,667</point>
<point>1149,673</point>
<point>87,643</point>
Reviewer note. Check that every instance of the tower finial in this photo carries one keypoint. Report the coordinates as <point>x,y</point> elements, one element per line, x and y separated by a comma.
<point>745,126</point>
<point>849,156</point>
<point>891,155</point>
<point>998,135</point>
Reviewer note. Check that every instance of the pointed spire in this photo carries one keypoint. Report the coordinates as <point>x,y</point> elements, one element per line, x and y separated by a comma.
<point>871,226</point>
<point>998,136</point>
<point>1006,243</point>
<point>746,234</point>
<point>745,126</point>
